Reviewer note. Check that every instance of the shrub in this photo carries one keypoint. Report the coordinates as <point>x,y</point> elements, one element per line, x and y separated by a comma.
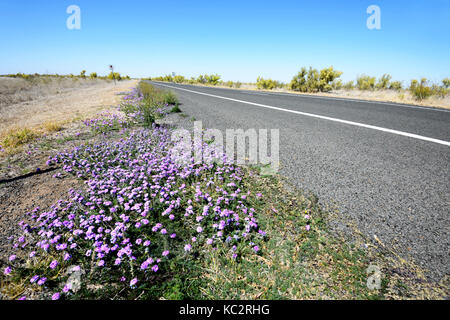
<point>178,79</point>
<point>229,84</point>
<point>93,75</point>
<point>395,85</point>
<point>438,91</point>
<point>114,75</point>
<point>170,98</point>
<point>420,90</point>
<point>298,83</point>
<point>312,80</point>
<point>192,80</point>
<point>383,82</point>
<point>237,84</point>
<point>213,79</point>
<point>365,82</point>
<point>202,79</point>
<point>350,85</point>
<point>83,74</point>
<point>337,84</point>
<point>446,82</point>
<point>268,84</point>
<point>326,78</point>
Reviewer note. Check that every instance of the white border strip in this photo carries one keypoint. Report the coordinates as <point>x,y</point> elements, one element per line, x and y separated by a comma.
<point>352,123</point>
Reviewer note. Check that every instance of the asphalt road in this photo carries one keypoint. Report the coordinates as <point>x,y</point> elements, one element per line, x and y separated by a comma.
<point>386,166</point>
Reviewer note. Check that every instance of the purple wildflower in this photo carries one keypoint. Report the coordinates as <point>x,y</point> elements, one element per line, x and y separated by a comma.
<point>7,270</point>
<point>53,264</point>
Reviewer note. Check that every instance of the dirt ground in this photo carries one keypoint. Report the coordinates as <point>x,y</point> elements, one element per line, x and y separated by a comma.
<point>76,102</point>
<point>41,190</point>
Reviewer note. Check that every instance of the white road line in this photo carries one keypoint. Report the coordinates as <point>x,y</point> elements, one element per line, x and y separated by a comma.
<point>352,123</point>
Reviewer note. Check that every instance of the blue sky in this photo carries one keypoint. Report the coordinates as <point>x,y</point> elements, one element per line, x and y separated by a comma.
<point>239,40</point>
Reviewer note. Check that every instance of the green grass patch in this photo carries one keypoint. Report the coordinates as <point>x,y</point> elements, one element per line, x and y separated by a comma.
<point>176,109</point>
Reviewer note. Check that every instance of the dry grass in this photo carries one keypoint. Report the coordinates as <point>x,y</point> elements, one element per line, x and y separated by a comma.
<point>46,104</point>
<point>16,137</point>
<point>17,90</point>
<point>53,126</point>
<point>76,102</point>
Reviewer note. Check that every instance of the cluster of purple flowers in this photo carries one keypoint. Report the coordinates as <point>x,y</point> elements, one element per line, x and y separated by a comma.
<point>107,121</point>
<point>139,209</point>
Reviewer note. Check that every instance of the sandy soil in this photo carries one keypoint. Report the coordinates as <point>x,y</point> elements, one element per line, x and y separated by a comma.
<point>73,103</point>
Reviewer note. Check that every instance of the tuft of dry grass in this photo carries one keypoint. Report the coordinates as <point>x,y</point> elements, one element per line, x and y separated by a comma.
<point>16,137</point>
<point>13,139</point>
<point>53,126</point>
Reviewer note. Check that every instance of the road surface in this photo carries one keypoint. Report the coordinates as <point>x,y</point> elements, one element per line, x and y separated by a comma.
<point>386,166</point>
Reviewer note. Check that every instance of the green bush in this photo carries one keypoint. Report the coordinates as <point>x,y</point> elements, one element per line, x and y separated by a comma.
<point>93,75</point>
<point>298,83</point>
<point>350,85</point>
<point>213,79</point>
<point>170,98</point>
<point>178,79</point>
<point>438,91</point>
<point>202,79</point>
<point>114,75</point>
<point>365,82</point>
<point>83,74</point>
<point>420,90</point>
<point>384,81</point>
<point>237,84</point>
<point>446,83</point>
<point>314,81</point>
<point>267,84</point>
<point>395,85</point>
<point>327,77</point>
<point>337,84</point>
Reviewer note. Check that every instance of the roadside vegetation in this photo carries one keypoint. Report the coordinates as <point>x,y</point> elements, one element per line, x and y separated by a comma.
<point>82,75</point>
<point>327,80</point>
<point>203,79</point>
<point>148,227</point>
